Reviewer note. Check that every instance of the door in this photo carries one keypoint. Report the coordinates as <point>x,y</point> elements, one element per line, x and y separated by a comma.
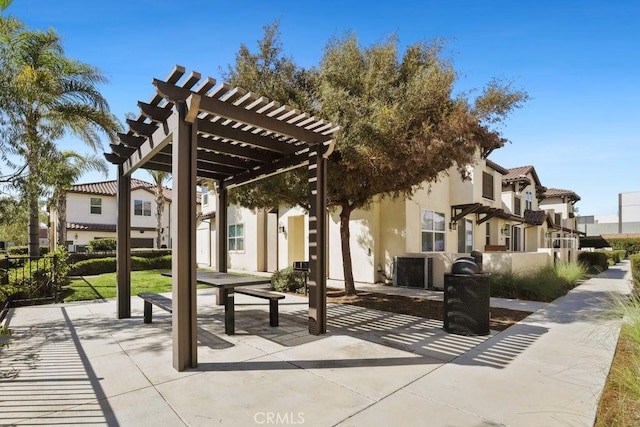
<point>295,239</point>
<point>465,235</point>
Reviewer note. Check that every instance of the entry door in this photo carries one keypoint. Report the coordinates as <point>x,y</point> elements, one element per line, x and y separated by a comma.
<point>295,238</point>
<point>465,235</point>
<point>516,239</point>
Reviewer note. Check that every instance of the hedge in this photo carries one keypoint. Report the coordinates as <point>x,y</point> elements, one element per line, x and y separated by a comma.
<point>143,253</point>
<point>594,261</point>
<point>631,245</point>
<point>24,250</point>
<point>93,267</point>
<point>635,271</point>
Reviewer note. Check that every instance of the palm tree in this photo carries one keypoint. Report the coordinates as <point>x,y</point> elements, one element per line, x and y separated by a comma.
<point>69,168</point>
<point>159,178</point>
<point>45,95</point>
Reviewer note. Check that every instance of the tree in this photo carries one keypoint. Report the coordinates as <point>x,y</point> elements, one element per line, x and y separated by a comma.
<point>5,4</point>
<point>401,126</point>
<point>159,178</point>
<point>13,220</point>
<point>44,95</point>
<point>69,167</point>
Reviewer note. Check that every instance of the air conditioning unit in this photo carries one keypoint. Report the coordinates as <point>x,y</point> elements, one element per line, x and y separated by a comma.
<point>413,272</point>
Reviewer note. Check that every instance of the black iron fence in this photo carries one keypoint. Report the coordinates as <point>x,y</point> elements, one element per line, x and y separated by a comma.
<point>29,280</point>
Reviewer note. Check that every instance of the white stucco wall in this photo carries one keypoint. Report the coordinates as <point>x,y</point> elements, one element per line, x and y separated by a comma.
<point>363,239</point>
<point>249,258</point>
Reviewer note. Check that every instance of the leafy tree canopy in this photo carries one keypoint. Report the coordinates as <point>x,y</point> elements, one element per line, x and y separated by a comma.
<point>401,125</point>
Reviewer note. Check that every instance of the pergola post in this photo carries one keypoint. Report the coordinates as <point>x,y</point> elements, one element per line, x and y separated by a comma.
<point>317,241</point>
<point>183,216</point>
<point>221,227</point>
<point>123,252</point>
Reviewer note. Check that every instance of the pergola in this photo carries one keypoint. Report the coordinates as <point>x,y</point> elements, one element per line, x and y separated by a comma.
<point>199,129</point>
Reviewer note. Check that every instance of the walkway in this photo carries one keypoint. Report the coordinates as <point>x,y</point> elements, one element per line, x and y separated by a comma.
<point>76,363</point>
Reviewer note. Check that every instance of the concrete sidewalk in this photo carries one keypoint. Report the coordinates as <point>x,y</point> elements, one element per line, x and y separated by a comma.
<point>76,363</point>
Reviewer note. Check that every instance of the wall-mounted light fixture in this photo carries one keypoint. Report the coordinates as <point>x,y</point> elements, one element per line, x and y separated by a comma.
<point>76,236</point>
<point>281,228</point>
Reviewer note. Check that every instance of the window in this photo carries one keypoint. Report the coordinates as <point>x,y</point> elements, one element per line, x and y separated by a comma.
<point>432,231</point>
<point>487,240</point>
<point>487,185</point>
<point>236,237</point>
<point>141,208</point>
<point>529,201</point>
<point>558,219</point>
<point>96,206</point>
<point>517,206</point>
<point>205,195</point>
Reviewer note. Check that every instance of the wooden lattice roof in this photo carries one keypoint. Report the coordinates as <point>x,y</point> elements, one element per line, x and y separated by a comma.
<point>241,136</point>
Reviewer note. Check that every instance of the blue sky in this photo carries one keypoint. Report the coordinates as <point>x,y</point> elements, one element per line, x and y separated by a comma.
<point>578,60</point>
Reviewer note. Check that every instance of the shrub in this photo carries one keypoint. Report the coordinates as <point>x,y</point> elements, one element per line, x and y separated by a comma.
<point>542,284</point>
<point>102,245</point>
<point>595,262</point>
<point>288,280</point>
<point>635,271</point>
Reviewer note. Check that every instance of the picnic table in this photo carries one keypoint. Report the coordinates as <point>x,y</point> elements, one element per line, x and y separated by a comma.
<point>226,284</point>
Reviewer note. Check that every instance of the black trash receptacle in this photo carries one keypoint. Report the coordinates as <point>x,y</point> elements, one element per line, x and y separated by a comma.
<point>466,299</point>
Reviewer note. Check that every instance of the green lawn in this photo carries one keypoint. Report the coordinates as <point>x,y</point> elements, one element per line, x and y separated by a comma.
<point>104,285</point>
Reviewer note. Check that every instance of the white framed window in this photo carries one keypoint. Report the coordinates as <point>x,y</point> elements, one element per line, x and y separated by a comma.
<point>141,208</point>
<point>529,200</point>
<point>487,239</point>
<point>236,237</point>
<point>96,206</point>
<point>433,231</point>
<point>205,195</point>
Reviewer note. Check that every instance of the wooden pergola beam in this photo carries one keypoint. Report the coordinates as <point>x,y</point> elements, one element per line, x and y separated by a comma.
<point>233,137</point>
<point>232,112</point>
<point>227,132</point>
<point>236,150</point>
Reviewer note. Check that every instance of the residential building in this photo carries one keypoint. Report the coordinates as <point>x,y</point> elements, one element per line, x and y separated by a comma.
<point>91,213</point>
<point>505,213</point>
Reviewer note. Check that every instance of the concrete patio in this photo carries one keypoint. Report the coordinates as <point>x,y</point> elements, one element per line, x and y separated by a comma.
<point>77,364</point>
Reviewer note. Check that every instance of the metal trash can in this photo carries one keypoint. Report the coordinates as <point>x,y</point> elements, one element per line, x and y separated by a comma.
<point>466,298</point>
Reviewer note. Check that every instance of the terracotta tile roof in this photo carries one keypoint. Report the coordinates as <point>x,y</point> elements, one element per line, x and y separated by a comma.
<point>110,188</point>
<point>535,217</point>
<point>559,192</point>
<point>81,226</point>
<point>518,174</point>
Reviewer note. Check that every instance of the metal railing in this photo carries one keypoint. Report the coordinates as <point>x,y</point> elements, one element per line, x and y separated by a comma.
<point>29,280</point>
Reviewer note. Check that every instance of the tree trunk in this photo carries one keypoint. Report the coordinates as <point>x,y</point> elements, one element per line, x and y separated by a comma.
<point>34,227</point>
<point>347,268</point>
<point>159,212</point>
<point>62,221</point>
